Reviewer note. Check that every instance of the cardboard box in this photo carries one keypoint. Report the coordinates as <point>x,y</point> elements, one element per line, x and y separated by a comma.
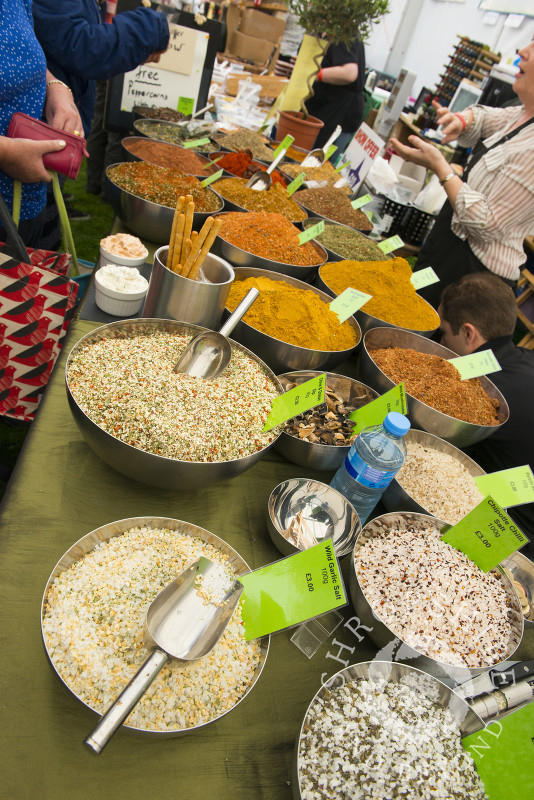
<point>271,85</point>
<point>262,25</point>
<point>250,48</point>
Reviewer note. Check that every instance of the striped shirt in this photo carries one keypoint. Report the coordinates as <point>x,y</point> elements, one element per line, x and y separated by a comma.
<point>494,210</point>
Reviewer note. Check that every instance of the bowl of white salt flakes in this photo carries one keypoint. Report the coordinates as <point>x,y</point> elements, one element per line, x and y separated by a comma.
<point>119,290</point>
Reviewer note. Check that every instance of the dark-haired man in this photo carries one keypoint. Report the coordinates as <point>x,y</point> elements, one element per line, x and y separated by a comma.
<point>479,312</point>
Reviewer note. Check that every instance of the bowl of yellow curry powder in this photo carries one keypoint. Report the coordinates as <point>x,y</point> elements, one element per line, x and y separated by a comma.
<point>394,301</point>
<point>290,325</point>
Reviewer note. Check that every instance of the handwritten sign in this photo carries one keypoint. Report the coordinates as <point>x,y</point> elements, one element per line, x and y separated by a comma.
<point>211,178</point>
<point>292,590</point>
<point>179,55</point>
<point>393,243</point>
<point>376,411</point>
<point>476,364</point>
<point>348,302</point>
<point>486,535</point>
<point>510,487</point>
<point>299,399</point>
<point>312,232</point>
<point>361,201</point>
<point>286,142</point>
<point>423,277</point>
<point>294,185</point>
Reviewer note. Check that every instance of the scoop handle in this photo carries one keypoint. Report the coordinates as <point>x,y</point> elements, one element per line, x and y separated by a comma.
<point>276,160</point>
<point>240,311</point>
<point>128,698</point>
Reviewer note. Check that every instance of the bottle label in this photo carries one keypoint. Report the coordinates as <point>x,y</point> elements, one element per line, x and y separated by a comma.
<point>368,476</point>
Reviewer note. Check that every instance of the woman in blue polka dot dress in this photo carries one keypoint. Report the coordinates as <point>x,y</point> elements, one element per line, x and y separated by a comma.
<point>26,85</point>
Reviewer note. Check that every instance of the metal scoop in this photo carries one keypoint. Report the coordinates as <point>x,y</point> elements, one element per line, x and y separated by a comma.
<point>261,179</point>
<point>316,157</point>
<point>183,625</point>
<point>210,352</point>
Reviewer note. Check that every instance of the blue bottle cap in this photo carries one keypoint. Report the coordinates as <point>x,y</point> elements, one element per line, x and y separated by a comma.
<point>396,424</point>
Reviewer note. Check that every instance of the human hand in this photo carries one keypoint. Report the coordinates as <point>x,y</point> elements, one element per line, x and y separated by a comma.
<point>421,152</point>
<point>449,122</point>
<point>154,57</point>
<point>22,159</point>
<point>60,110</point>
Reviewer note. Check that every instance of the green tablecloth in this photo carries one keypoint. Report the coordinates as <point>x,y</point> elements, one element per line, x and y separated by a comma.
<point>60,491</point>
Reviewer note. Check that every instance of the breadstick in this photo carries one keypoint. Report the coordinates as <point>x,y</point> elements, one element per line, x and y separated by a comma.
<point>176,267</point>
<point>189,211</point>
<point>178,210</point>
<point>216,227</point>
<point>195,250</point>
<point>187,250</point>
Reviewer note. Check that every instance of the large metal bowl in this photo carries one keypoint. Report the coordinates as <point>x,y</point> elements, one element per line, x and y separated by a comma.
<point>332,255</point>
<point>242,258</point>
<point>148,468</point>
<point>281,356</point>
<point>199,172</point>
<point>148,220</point>
<point>255,163</point>
<point>312,455</point>
<point>149,128</point>
<point>396,498</point>
<point>88,543</point>
<point>229,205</point>
<point>384,637</point>
<point>326,511</point>
<point>368,321</point>
<point>467,720</point>
<point>456,431</point>
<point>522,571</point>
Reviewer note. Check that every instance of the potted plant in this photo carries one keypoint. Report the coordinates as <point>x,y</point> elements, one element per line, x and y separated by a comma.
<point>330,22</point>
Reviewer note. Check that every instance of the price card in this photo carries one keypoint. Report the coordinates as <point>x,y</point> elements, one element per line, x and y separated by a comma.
<point>348,302</point>
<point>361,201</point>
<point>502,752</point>
<point>330,152</point>
<point>298,400</point>
<point>211,178</point>
<point>486,535</point>
<point>476,364</point>
<point>311,233</point>
<point>190,143</point>
<point>510,487</point>
<point>393,243</point>
<point>284,144</point>
<point>341,166</point>
<point>423,277</point>
<point>186,105</point>
<point>375,412</point>
<point>212,161</point>
<point>294,185</point>
<point>292,590</point>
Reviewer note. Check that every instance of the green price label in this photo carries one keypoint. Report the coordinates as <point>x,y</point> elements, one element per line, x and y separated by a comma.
<point>423,277</point>
<point>212,161</point>
<point>348,302</point>
<point>299,399</point>
<point>286,142</point>
<point>476,364</point>
<point>502,751</point>
<point>294,589</point>
<point>509,487</point>
<point>211,178</point>
<point>486,535</point>
<point>330,152</point>
<point>375,412</point>
<point>190,143</point>
<point>294,185</point>
<point>393,243</point>
<point>186,105</point>
<point>311,233</point>
<point>341,166</point>
<point>361,201</point>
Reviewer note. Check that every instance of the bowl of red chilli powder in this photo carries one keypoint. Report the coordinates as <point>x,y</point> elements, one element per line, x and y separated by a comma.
<point>462,412</point>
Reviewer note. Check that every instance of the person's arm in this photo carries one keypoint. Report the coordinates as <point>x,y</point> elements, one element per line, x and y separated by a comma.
<point>427,155</point>
<point>60,110</point>
<point>22,159</point>
<point>339,76</point>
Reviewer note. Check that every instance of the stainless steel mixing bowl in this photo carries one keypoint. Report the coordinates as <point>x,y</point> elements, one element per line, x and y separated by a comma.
<point>384,637</point>
<point>128,141</point>
<point>455,431</point>
<point>148,468</point>
<point>282,356</point>
<point>88,543</point>
<point>332,254</point>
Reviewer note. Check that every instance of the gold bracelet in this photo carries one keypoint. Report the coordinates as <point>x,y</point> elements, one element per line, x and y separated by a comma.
<point>448,177</point>
<point>49,83</point>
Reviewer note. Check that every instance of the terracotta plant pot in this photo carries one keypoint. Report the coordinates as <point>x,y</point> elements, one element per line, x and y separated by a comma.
<point>304,131</point>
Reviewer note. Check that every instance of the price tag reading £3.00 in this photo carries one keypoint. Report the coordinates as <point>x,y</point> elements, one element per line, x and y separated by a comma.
<point>311,233</point>
<point>510,487</point>
<point>298,400</point>
<point>348,302</point>
<point>423,277</point>
<point>375,412</point>
<point>393,243</point>
<point>476,364</point>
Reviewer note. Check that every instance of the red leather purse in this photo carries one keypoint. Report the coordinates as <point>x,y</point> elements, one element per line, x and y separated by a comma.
<point>67,161</point>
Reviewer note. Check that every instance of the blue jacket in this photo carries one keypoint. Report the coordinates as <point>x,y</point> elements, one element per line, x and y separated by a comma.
<point>81,48</point>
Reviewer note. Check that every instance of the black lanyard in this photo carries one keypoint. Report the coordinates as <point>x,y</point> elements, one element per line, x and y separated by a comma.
<point>481,149</point>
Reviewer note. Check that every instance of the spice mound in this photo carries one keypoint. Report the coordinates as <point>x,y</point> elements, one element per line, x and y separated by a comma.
<point>269,236</point>
<point>434,597</point>
<point>292,315</point>
<point>436,382</point>
<point>347,243</point>
<point>275,199</point>
<point>176,134</point>
<point>162,112</point>
<point>162,186</point>
<point>394,298</point>
<point>334,204</point>
<point>439,482</point>
<point>128,387</point>
<point>374,739</point>
<point>246,140</point>
<point>169,155</point>
<point>326,173</point>
<point>93,630</point>
<point>243,166</point>
<point>124,244</point>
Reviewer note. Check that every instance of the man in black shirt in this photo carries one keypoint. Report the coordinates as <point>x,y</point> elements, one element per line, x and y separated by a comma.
<point>479,312</point>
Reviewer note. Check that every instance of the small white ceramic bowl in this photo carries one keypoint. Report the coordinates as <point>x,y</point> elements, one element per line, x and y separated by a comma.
<point>119,304</point>
<point>124,261</point>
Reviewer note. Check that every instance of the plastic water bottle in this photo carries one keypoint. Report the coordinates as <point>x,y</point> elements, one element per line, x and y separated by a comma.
<point>372,462</point>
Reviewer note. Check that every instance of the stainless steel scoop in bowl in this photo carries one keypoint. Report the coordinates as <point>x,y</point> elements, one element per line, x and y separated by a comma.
<point>316,157</point>
<point>185,623</point>
<point>261,180</point>
<point>210,352</point>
